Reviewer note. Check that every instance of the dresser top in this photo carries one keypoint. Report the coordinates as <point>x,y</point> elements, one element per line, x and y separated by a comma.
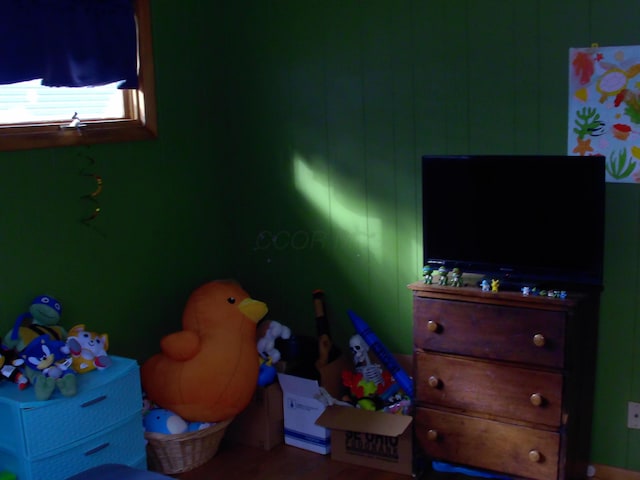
<point>9,391</point>
<point>509,298</point>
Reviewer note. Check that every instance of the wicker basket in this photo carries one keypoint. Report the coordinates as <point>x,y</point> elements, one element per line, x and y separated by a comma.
<point>181,452</point>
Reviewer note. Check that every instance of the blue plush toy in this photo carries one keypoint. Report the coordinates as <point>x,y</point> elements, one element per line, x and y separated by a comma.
<point>161,420</point>
<point>47,364</point>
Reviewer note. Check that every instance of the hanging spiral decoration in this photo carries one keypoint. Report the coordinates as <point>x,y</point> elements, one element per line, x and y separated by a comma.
<point>93,196</point>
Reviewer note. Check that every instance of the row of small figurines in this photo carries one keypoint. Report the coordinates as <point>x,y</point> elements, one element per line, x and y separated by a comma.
<point>456,276</point>
<point>494,286</point>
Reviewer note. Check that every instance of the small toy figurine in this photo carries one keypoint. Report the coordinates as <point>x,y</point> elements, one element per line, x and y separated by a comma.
<point>485,285</point>
<point>370,385</point>
<point>427,273</point>
<point>456,281</point>
<point>10,369</point>
<point>495,284</point>
<point>443,276</point>
<point>526,291</point>
<point>371,372</point>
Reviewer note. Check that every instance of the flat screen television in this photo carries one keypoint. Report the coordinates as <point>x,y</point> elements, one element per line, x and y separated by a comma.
<point>526,220</point>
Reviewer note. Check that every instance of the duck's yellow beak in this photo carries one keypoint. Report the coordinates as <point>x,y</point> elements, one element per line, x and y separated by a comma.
<point>253,309</point>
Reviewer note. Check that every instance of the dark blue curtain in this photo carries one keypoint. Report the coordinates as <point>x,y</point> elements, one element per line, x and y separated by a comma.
<point>68,43</point>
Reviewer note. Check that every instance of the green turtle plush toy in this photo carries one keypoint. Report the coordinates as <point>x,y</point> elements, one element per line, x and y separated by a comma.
<point>41,319</point>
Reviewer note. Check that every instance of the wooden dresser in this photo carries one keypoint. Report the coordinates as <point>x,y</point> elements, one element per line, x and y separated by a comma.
<point>504,382</point>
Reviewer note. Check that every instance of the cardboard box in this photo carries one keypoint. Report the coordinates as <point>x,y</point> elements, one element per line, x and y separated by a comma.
<point>302,406</point>
<point>301,410</point>
<point>371,439</point>
<point>261,424</point>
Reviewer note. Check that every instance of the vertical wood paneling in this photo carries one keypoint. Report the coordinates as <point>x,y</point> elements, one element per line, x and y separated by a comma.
<point>527,86</point>
<point>492,78</point>
<point>618,317</point>
<point>381,171</point>
<point>562,25</point>
<point>441,66</point>
<point>618,378</point>
<point>308,150</point>
<point>407,167</point>
<point>429,54</point>
<point>346,150</point>
<point>357,91</point>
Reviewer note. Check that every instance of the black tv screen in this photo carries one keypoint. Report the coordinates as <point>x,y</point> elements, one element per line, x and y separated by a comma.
<point>525,220</point>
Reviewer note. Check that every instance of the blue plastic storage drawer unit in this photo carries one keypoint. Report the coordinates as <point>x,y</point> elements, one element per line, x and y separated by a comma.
<point>59,437</point>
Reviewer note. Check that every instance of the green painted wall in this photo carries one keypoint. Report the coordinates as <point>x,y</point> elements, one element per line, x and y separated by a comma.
<point>290,138</point>
<point>165,209</point>
<point>335,102</point>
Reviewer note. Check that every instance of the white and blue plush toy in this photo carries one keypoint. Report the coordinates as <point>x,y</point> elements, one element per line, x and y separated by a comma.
<point>161,420</point>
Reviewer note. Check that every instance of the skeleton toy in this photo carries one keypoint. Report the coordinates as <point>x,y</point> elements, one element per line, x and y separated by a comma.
<point>371,372</point>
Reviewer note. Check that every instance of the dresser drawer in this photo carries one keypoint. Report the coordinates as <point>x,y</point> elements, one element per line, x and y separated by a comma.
<point>489,388</point>
<point>123,443</point>
<point>104,398</point>
<point>512,334</point>
<point>488,444</point>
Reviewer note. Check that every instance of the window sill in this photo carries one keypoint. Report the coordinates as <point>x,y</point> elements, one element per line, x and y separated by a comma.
<point>29,137</point>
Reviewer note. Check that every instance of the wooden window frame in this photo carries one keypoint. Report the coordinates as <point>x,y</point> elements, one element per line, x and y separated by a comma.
<point>140,122</point>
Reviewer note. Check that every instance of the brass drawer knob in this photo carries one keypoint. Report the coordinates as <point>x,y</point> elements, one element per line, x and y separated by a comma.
<point>433,326</point>
<point>539,340</point>
<point>434,382</point>
<point>432,435</point>
<point>535,456</point>
<point>536,399</point>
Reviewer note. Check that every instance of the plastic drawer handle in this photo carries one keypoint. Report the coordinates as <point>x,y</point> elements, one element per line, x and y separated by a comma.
<point>96,449</point>
<point>94,401</point>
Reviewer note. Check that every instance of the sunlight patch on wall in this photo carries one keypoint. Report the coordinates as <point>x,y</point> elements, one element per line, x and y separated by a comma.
<point>359,229</point>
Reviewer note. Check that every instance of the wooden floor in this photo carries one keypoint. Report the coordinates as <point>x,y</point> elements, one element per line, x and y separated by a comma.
<point>234,462</point>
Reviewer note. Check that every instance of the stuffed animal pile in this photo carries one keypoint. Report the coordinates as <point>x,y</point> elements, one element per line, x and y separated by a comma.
<point>208,371</point>
<point>38,351</point>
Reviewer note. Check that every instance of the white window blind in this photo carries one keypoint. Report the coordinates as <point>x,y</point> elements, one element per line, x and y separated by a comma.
<point>30,102</point>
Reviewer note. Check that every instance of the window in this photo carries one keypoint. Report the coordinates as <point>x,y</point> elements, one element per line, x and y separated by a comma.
<point>134,117</point>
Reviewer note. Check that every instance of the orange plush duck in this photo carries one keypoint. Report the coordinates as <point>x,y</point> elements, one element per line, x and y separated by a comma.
<point>208,371</point>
